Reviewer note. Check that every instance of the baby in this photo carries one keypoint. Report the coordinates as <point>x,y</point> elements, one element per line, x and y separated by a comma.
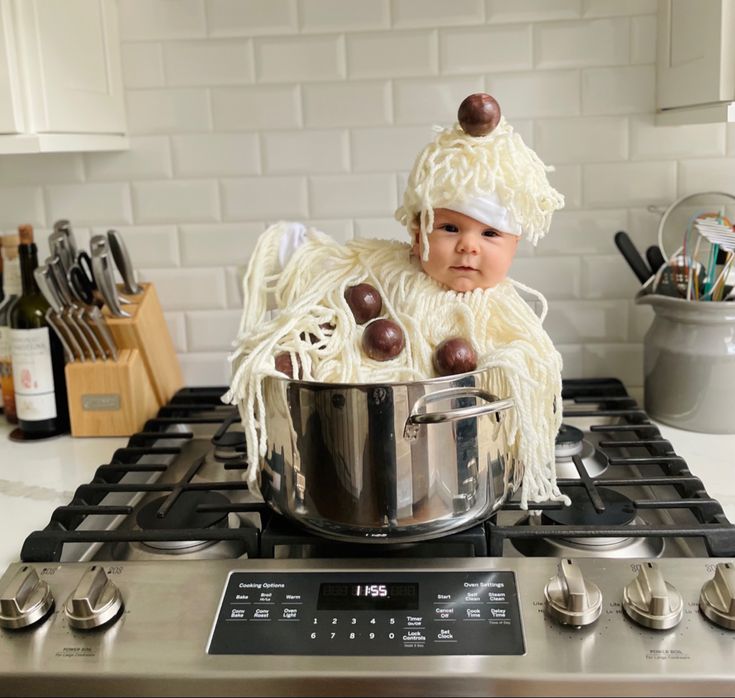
<point>473,192</point>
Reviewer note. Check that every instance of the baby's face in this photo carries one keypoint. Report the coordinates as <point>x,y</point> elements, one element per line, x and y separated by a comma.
<point>465,254</point>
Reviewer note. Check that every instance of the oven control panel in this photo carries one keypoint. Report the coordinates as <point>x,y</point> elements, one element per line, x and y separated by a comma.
<point>369,613</point>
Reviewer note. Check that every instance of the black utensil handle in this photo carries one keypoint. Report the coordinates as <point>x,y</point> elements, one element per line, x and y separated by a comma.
<point>632,256</point>
<point>655,258</point>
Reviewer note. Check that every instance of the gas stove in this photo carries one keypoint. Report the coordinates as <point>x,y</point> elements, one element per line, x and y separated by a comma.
<point>165,575</point>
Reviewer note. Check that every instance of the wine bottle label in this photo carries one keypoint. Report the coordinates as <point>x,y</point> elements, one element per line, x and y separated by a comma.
<point>6,371</point>
<point>33,376</point>
<point>11,279</point>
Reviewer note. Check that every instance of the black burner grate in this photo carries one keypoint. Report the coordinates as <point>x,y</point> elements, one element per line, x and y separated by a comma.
<point>191,408</point>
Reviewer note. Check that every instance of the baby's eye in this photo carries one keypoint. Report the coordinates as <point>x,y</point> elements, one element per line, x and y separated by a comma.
<point>490,233</point>
<point>449,228</point>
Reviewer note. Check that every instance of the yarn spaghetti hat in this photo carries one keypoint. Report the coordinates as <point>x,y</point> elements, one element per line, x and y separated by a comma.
<point>482,168</point>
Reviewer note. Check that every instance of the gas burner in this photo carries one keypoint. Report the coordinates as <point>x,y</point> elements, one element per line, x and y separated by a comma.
<point>581,513</point>
<point>570,442</point>
<point>184,514</point>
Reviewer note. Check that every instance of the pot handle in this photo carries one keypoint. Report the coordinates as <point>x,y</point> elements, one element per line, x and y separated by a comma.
<point>415,418</point>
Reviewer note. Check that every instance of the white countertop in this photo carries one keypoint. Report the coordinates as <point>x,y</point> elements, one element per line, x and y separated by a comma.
<point>37,477</point>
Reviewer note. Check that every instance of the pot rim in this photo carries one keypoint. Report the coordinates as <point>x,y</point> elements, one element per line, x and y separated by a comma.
<point>437,380</point>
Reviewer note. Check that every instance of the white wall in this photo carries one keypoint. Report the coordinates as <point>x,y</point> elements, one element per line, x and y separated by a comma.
<point>246,111</point>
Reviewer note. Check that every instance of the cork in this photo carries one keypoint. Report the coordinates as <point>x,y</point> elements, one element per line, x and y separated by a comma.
<point>25,232</point>
<point>10,244</point>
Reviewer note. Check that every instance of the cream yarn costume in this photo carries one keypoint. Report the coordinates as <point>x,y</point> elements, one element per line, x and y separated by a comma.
<point>495,175</point>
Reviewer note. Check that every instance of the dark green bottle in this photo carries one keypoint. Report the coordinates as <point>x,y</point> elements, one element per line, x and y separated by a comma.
<point>37,353</point>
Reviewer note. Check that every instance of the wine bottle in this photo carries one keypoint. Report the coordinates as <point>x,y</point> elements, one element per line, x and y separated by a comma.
<point>37,354</point>
<point>12,284</point>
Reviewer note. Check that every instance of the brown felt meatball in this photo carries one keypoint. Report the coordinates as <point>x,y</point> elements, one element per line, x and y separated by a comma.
<point>382,340</point>
<point>285,365</point>
<point>454,355</point>
<point>364,301</point>
<point>478,114</point>
<point>328,327</point>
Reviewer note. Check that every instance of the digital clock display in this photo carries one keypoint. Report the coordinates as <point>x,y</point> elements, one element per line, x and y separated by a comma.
<point>368,596</point>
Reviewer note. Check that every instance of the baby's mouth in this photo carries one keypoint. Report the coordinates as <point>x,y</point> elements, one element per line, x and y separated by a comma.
<point>463,268</point>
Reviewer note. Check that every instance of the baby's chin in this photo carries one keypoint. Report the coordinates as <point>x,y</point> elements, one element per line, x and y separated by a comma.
<point>466,285</point>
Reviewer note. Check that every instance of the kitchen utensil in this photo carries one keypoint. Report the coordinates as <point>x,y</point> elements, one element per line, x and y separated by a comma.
<point>385,463</point>
<point>632,256</point>
<point>54,315</point>
<point>98,246</point>
<point>64,226</point>
<point>689,365</point>
<point>60,247</point>
<point>655,258</point>
<point>105,280</point>
<point>71,312</point>
<point>123,262</point>
<point>81,280</point>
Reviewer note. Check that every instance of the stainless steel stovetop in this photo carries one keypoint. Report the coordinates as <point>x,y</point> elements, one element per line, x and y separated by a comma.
<point>164,576</point>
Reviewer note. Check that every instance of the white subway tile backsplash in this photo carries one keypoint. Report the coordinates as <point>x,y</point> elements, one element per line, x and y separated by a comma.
<point>388,149</point>
<point>352,195</point>
<point>364,103</point>
<point>579,44</point>
<point>41,168</point>
<point>435,100</point>
<point>621,90</point>
<point>218,244</point>
<point>572,360</point>
<point>188,289</point>
<point>610,8</point>
<point>629,184</point>
<point>210,62</point>
<point>392,54</point>
<point>483,49</point>
<point>536,94</point>
<point>251,18</point>
<point>341,229</point>
<point>168,111</point>
<point>436,13</point>
<point>233,285</point>
<point>583,139</point>
<point>731,139</point>
<point>179,200</point>
<point>608,277</point>
<point>206,369</point>
<point>150,246</point>
<point>623,361</point>
<point>574,322</point>
<point>381,228</point>
<point>583,232</point>
<point>532,10</point>
<point>649,141</point>
<point>305,151</point>
<point>567,180</point>
<point>90,204</point>
<point>643,39</point>
<point>161,19</point>
<point>556,280</point>
<point>253,108</point>
<point>177,329</point>
<point>264,198</point>
<point>142,64</point>
<point>216,154</point>
<point>707,174</point>
<point>207,331</point>
<point>20,205</point>
<point>641,317</point>
<point>304,58</point>
<point>149,157</point>
<point>343,15</point>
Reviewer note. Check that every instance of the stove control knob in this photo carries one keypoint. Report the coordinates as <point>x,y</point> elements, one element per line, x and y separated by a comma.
<point>25,600</point>
<point>94,602</point>
<point>570,598</point>
<point>717,599</point>
<point>651,601</point>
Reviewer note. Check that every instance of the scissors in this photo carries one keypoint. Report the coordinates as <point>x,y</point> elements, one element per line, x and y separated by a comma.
<point>81,280</point>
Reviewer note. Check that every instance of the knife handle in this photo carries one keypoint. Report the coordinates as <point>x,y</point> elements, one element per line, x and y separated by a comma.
<point>632,256</point>
<point>123,262</point>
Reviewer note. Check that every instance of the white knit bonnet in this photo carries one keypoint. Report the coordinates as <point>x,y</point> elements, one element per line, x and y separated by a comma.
<point>495,178</point>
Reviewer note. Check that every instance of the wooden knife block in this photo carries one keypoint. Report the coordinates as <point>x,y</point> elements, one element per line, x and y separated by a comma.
<point>147,332</point>
<point>110,398</point>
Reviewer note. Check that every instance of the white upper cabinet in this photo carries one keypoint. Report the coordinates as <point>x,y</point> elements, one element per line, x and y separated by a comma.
<point>60,76</point>
<point>695,66</point>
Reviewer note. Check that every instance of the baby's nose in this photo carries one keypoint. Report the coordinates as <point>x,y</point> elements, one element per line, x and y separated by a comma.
<point>468,243</point>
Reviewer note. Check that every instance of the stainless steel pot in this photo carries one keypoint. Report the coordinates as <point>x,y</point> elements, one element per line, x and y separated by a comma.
<point>385,463</point>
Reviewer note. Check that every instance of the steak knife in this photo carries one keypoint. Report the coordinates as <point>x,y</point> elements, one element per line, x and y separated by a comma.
<point>54,315</point>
